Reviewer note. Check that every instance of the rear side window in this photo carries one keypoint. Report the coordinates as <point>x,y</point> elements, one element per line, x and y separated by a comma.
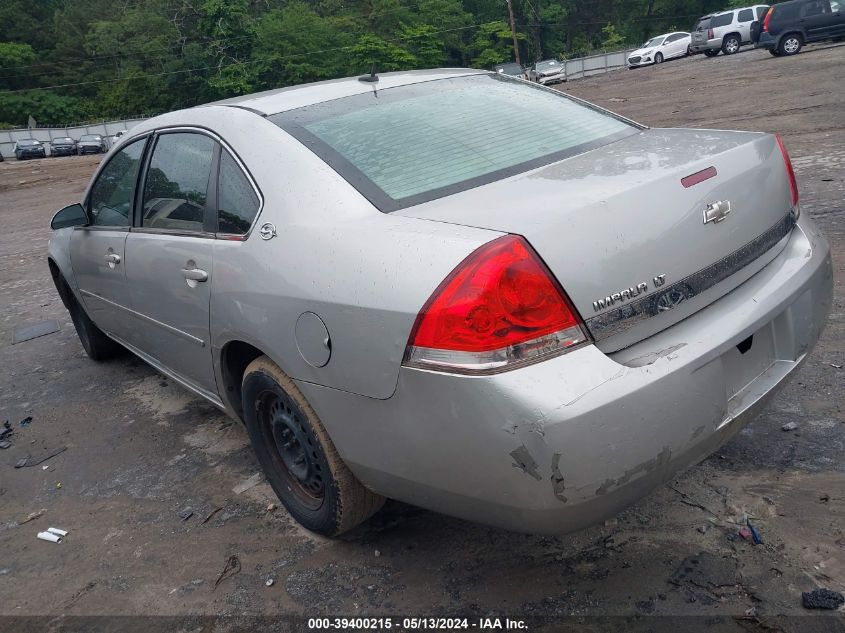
<point>746,15</point>
<point>721,20</point>
<point>111,195</point>
<point>815,7</point>
<point>410,144</point>
<point>236,199</point>
<point>761,12</point>
<point>176,187</point>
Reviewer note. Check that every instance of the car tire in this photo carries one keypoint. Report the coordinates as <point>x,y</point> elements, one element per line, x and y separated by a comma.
<point>711,52</point>
<point>96,344</point>
<point>298,456</point>
<point>658,59</point>
<point>731,44</point>
<point>774,52</point>
<point>790,44</point>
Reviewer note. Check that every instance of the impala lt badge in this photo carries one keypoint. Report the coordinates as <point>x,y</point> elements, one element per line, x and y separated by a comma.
<point>715,212</point>
<point>628,293</point>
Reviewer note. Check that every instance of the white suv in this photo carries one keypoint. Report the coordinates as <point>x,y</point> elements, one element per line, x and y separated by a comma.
<point>725,31</point>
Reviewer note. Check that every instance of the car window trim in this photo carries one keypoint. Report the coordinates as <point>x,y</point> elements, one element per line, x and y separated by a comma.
<point>213,187</point>
<point>233,237</point>
<point>87,200</point>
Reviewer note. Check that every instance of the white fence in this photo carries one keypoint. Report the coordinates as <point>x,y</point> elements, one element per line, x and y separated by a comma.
<point>47,134</point>
<point>595,64</point>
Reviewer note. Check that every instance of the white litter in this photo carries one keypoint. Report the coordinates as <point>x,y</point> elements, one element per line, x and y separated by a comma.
<point>49,536</point>
<point>57,531</point>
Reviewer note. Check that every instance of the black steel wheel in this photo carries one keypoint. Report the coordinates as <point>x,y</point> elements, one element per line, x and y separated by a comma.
<point>711,52</point>
<point>298,457</point>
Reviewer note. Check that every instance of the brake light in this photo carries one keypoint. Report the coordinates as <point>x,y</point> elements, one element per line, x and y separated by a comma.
<point>500,308</point>
<point>767,18</point>
<point>793,183</point>
<point>709,34</point>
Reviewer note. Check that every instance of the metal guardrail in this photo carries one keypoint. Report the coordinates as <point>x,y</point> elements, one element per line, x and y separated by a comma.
<point>47,134</point>
<point>581,67</point>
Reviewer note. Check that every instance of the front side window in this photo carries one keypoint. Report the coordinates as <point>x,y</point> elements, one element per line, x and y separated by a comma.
<point>176,186</point>
<point>236,200</point>
<point>110,202</point>
<point>410,144</point>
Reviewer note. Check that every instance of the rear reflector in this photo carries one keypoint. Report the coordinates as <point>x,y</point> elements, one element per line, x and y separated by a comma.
<point>499,309</point>
<point>793,183</point>
<point>697,177</point>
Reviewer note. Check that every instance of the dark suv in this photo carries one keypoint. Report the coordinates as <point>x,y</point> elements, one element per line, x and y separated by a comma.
<point>789,25</point>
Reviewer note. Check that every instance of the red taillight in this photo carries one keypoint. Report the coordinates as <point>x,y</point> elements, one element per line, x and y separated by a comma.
<point>709,34</point>
<point>499,308</point>
<point>767,18</point>
<point>793,183</point>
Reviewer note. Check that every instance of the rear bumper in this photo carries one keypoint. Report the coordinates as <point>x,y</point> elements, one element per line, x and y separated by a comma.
<point>565,443</point>
<point>714,44</point>
<point>552,79</point>
<point>766,41</point>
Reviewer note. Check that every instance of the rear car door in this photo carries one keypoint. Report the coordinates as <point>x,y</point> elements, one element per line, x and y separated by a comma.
<point>676,45</point>
<point>837,14</point>
<point>170,251</point>
<point>97,251</point>
<point>816,19</point>
<point>745,17</point>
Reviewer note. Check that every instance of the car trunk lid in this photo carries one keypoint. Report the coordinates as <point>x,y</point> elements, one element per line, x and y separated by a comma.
<point>627,239</point>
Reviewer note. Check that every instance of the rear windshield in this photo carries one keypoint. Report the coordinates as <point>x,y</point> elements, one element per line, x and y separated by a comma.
<point>721,20</point>
<point>411,144</point>
<point>89,137</point>
<point>702,25</point>
<point>62,140</point>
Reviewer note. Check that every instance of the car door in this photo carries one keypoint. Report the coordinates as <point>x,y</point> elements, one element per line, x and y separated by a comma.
<point>170,252</point>
<point>837,15</point>
<point>745,17</point>
<point>97,251</point>
<point>677,45</point>
<point>816,19</point>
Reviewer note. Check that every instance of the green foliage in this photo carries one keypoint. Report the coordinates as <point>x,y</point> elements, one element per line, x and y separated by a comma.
<point>76,59</point>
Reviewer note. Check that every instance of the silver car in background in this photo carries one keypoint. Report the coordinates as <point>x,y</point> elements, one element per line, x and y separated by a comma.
<point>401,297</point>
<point>547,72</point>
<point>725,31</point>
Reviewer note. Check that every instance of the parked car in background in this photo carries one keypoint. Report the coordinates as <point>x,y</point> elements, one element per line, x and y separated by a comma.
<point>660,48</point>
<point>29,148</point>
<point>789,25</point>
<point>114,138</point>
<point>91,144</point>
<point>725,31</point>
<point>430,305</point>
<point>63,146</point>
<point>548,71</point>
<point>511,68</point>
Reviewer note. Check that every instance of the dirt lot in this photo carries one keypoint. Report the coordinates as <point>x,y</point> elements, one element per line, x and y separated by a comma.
<point>140,450</point>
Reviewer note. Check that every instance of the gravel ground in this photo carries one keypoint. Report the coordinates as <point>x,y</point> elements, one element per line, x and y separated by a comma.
<point>141,451</point>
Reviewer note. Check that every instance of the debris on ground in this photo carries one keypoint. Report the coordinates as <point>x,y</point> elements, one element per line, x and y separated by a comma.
<point>706,571</point>
<point>745,533</point>
<point>5,444</point>
<point>789,426</point>
<point>211,514</point>
<point>26,421</point>
<point>186,514</point>
<point>5,432</point>
<point>822,599</point>
<point>824,498</point>
<point>31,461</point>
<point>272,507</point>
<point>704,528</point>
<point>755,535</point>
<point>32,516</point>
<point>249,483</point>
<point>269,582</point>
<point>49,536</point>
<point>835,366</point>
<point>29,332</point>
<point>232,567</point>
<point>378,553</point>
<point>57,531</point>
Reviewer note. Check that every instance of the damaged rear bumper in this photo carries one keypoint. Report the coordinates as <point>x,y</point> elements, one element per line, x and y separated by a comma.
<point>559,445</point>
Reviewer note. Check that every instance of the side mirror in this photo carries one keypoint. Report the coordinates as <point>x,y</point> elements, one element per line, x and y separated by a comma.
<point>73,215</point>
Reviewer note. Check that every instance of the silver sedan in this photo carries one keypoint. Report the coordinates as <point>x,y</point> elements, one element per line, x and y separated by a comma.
<point>399,296</point>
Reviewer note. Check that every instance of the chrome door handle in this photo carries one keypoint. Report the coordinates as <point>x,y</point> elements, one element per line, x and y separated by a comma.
<point>194,274</point>
<point>112,259</point>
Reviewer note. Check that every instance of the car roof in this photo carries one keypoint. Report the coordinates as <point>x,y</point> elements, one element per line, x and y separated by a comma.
<point>292,97</point>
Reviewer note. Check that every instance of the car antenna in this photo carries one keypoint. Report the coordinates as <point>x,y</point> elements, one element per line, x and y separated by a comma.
<point>372,77</point>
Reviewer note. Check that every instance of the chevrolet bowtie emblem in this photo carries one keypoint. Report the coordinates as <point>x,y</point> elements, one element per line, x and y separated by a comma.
<point>717,211</point>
